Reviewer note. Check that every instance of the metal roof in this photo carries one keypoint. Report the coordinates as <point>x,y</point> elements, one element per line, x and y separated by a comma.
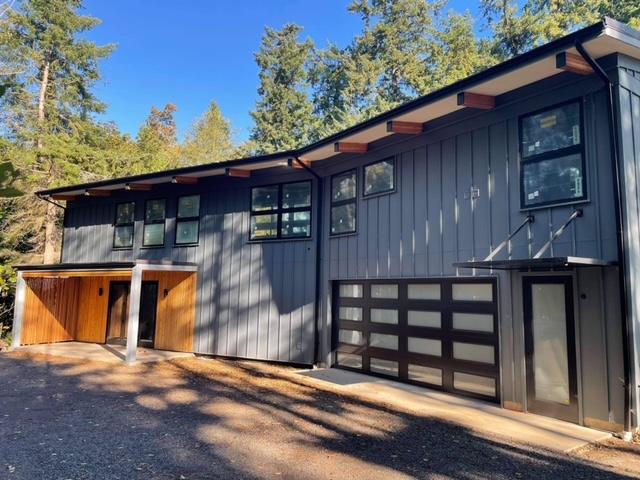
<point>532,264</point>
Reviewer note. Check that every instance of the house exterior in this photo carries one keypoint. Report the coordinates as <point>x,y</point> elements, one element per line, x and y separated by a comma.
<point>482,240</point>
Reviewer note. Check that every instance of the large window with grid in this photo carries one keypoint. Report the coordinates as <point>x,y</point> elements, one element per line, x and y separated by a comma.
<point>552,160</point>
<point>281,211</point>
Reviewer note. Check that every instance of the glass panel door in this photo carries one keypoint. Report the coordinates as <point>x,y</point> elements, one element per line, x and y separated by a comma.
<point>550,347</point>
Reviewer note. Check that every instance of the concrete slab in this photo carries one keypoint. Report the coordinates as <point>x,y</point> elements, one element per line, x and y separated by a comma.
<point>100,352</point>
<point>476,414</point>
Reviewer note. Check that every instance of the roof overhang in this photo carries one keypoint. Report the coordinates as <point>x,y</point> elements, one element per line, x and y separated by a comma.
<point>533,264</point>
<point>102,269</point>
<point>487,88</point>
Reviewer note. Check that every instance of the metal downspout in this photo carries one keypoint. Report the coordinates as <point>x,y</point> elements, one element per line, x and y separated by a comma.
<point>620,234</point>
<point>318,293</point>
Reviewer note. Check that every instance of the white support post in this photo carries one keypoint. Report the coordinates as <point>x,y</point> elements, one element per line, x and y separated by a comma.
<point>134,313</point>
<point>18,311</point>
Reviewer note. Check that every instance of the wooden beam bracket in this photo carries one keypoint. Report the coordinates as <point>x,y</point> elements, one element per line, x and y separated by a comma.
<point>184,180</point>
<point>237,172</point>
<point>350,147</point>
<point>476,100</point>
<point>410,128</point>
<point>63,197</point>
<point>138,187</point>
<point>570,62</point>
<point>94,192</point>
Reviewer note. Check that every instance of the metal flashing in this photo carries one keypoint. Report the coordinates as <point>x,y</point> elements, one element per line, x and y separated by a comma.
<point>531,264</point>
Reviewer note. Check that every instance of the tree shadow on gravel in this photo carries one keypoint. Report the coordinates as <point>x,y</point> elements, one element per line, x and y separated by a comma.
<point>197,419</point>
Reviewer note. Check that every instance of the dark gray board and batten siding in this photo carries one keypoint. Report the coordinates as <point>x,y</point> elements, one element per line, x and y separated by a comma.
<point>255,299</point>
<point>427,224</point>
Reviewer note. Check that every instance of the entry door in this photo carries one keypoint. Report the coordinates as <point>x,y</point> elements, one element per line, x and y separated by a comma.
<point>118,316</point>
<point>552,387</point>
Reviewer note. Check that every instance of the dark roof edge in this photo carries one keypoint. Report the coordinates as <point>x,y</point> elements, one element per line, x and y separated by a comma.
<point>74,267</point>
<point>583,34</point>
<point>174,172</point>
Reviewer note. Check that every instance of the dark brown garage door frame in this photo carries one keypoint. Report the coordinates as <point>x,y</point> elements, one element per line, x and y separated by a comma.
<point>439,333</point>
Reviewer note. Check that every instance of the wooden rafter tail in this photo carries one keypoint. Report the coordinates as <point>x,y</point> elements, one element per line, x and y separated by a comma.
<point>138,187</point>
<point>476,100</point>
<point>63,197</point>
<point>237,172</point>
<point>95,192</point>
<point>296,163</point>
<point>570,62</point>
<point>411,128</point>
<point>184,180</point>
<point>350,147</point>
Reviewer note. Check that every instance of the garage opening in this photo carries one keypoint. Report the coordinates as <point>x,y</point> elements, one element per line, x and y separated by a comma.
<point>438,333</point>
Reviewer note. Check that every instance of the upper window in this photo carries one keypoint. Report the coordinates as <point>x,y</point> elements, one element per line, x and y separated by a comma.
<point>154,217</point>
<point>188,220</point>
<point>552,164</point>
<point>343,203</point>
<point>281,211</point>
<point>379,177</point>
<point>123,231</point>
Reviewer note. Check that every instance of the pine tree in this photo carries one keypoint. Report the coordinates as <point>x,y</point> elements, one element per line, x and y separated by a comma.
<point>157,142</point>
<point>283,116</point>
<point>49,100</point>
<point>210,139</point>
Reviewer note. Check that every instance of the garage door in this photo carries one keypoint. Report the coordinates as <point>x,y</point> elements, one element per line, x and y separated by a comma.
<point>438,333</point>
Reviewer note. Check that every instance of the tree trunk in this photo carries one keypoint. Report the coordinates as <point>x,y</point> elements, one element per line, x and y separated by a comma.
<point>51,220</point>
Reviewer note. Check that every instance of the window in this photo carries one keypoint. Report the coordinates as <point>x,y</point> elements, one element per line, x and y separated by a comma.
<point>123,231</point>
<point>154,216</point>
<point>281,211</point>
<point>552,164</point>
<point>188,220</point>
<point>379,177</point>
<point>343,203</point>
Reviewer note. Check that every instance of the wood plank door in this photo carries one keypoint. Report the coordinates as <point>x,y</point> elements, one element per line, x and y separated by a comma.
<point>552,385</point>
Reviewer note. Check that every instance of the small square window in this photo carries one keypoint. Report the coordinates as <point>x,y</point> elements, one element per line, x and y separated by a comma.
<point>264,198</point>
<point>189,206</point>
<point>187,232</point>
<point>155,210</point>
<point>153,235</point>
<point>123,237</point>
<point>379,177</point>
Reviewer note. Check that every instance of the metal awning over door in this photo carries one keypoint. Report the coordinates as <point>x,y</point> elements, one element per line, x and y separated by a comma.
<point>441,333</point>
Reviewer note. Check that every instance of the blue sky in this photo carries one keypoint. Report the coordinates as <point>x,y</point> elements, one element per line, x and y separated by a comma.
<point>190,53</point>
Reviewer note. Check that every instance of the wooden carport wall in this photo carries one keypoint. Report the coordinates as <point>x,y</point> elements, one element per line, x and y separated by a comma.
<point>176,318</point>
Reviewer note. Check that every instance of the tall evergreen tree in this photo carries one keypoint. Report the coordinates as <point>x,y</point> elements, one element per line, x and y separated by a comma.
<point>157,142</point>
<point>283,116</point>
<point>210,139</point>
<point>50,99</point>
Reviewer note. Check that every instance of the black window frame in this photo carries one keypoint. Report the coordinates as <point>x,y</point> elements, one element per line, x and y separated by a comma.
<point>185,220</point>
<point>279,211</point>
<point>131,224</point>
<point>394,188</point>
<point>340,203</point>
<point>557,154</point>
<point>155,222</point>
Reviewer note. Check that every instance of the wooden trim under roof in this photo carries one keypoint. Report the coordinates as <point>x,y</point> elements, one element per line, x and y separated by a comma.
<point>184,180</point>
<point>411,128</point>
<point>295,163</point>
<point>350,147</point>
<point>95,192</point>
<point>476,100</point>
<point>237,172</point>
<point>62,196</point>
<point>138,187</point>
<point>570,62</point>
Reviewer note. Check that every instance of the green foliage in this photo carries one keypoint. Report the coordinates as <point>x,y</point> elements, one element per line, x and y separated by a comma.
<point>8,175</point>
<point>157,143</point>
<point>283,116</point>
<point>210,139</point>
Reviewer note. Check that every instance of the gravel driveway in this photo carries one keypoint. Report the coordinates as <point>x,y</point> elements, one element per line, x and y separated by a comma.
<point>195,419</point>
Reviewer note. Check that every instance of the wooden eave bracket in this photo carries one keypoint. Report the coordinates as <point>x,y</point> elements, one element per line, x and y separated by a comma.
<point>94,192</point>
<point>184,180</point>
<point>410,128</point>
<point>62,196</point>
<point>570,62</point>
<point>476,100</point>
<point>237,172</point>
<point>350,147</point>
<point>292,162</point>
<point>138,187</point>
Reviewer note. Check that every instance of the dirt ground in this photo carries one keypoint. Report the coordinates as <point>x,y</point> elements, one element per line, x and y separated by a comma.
<point>193,419</point>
